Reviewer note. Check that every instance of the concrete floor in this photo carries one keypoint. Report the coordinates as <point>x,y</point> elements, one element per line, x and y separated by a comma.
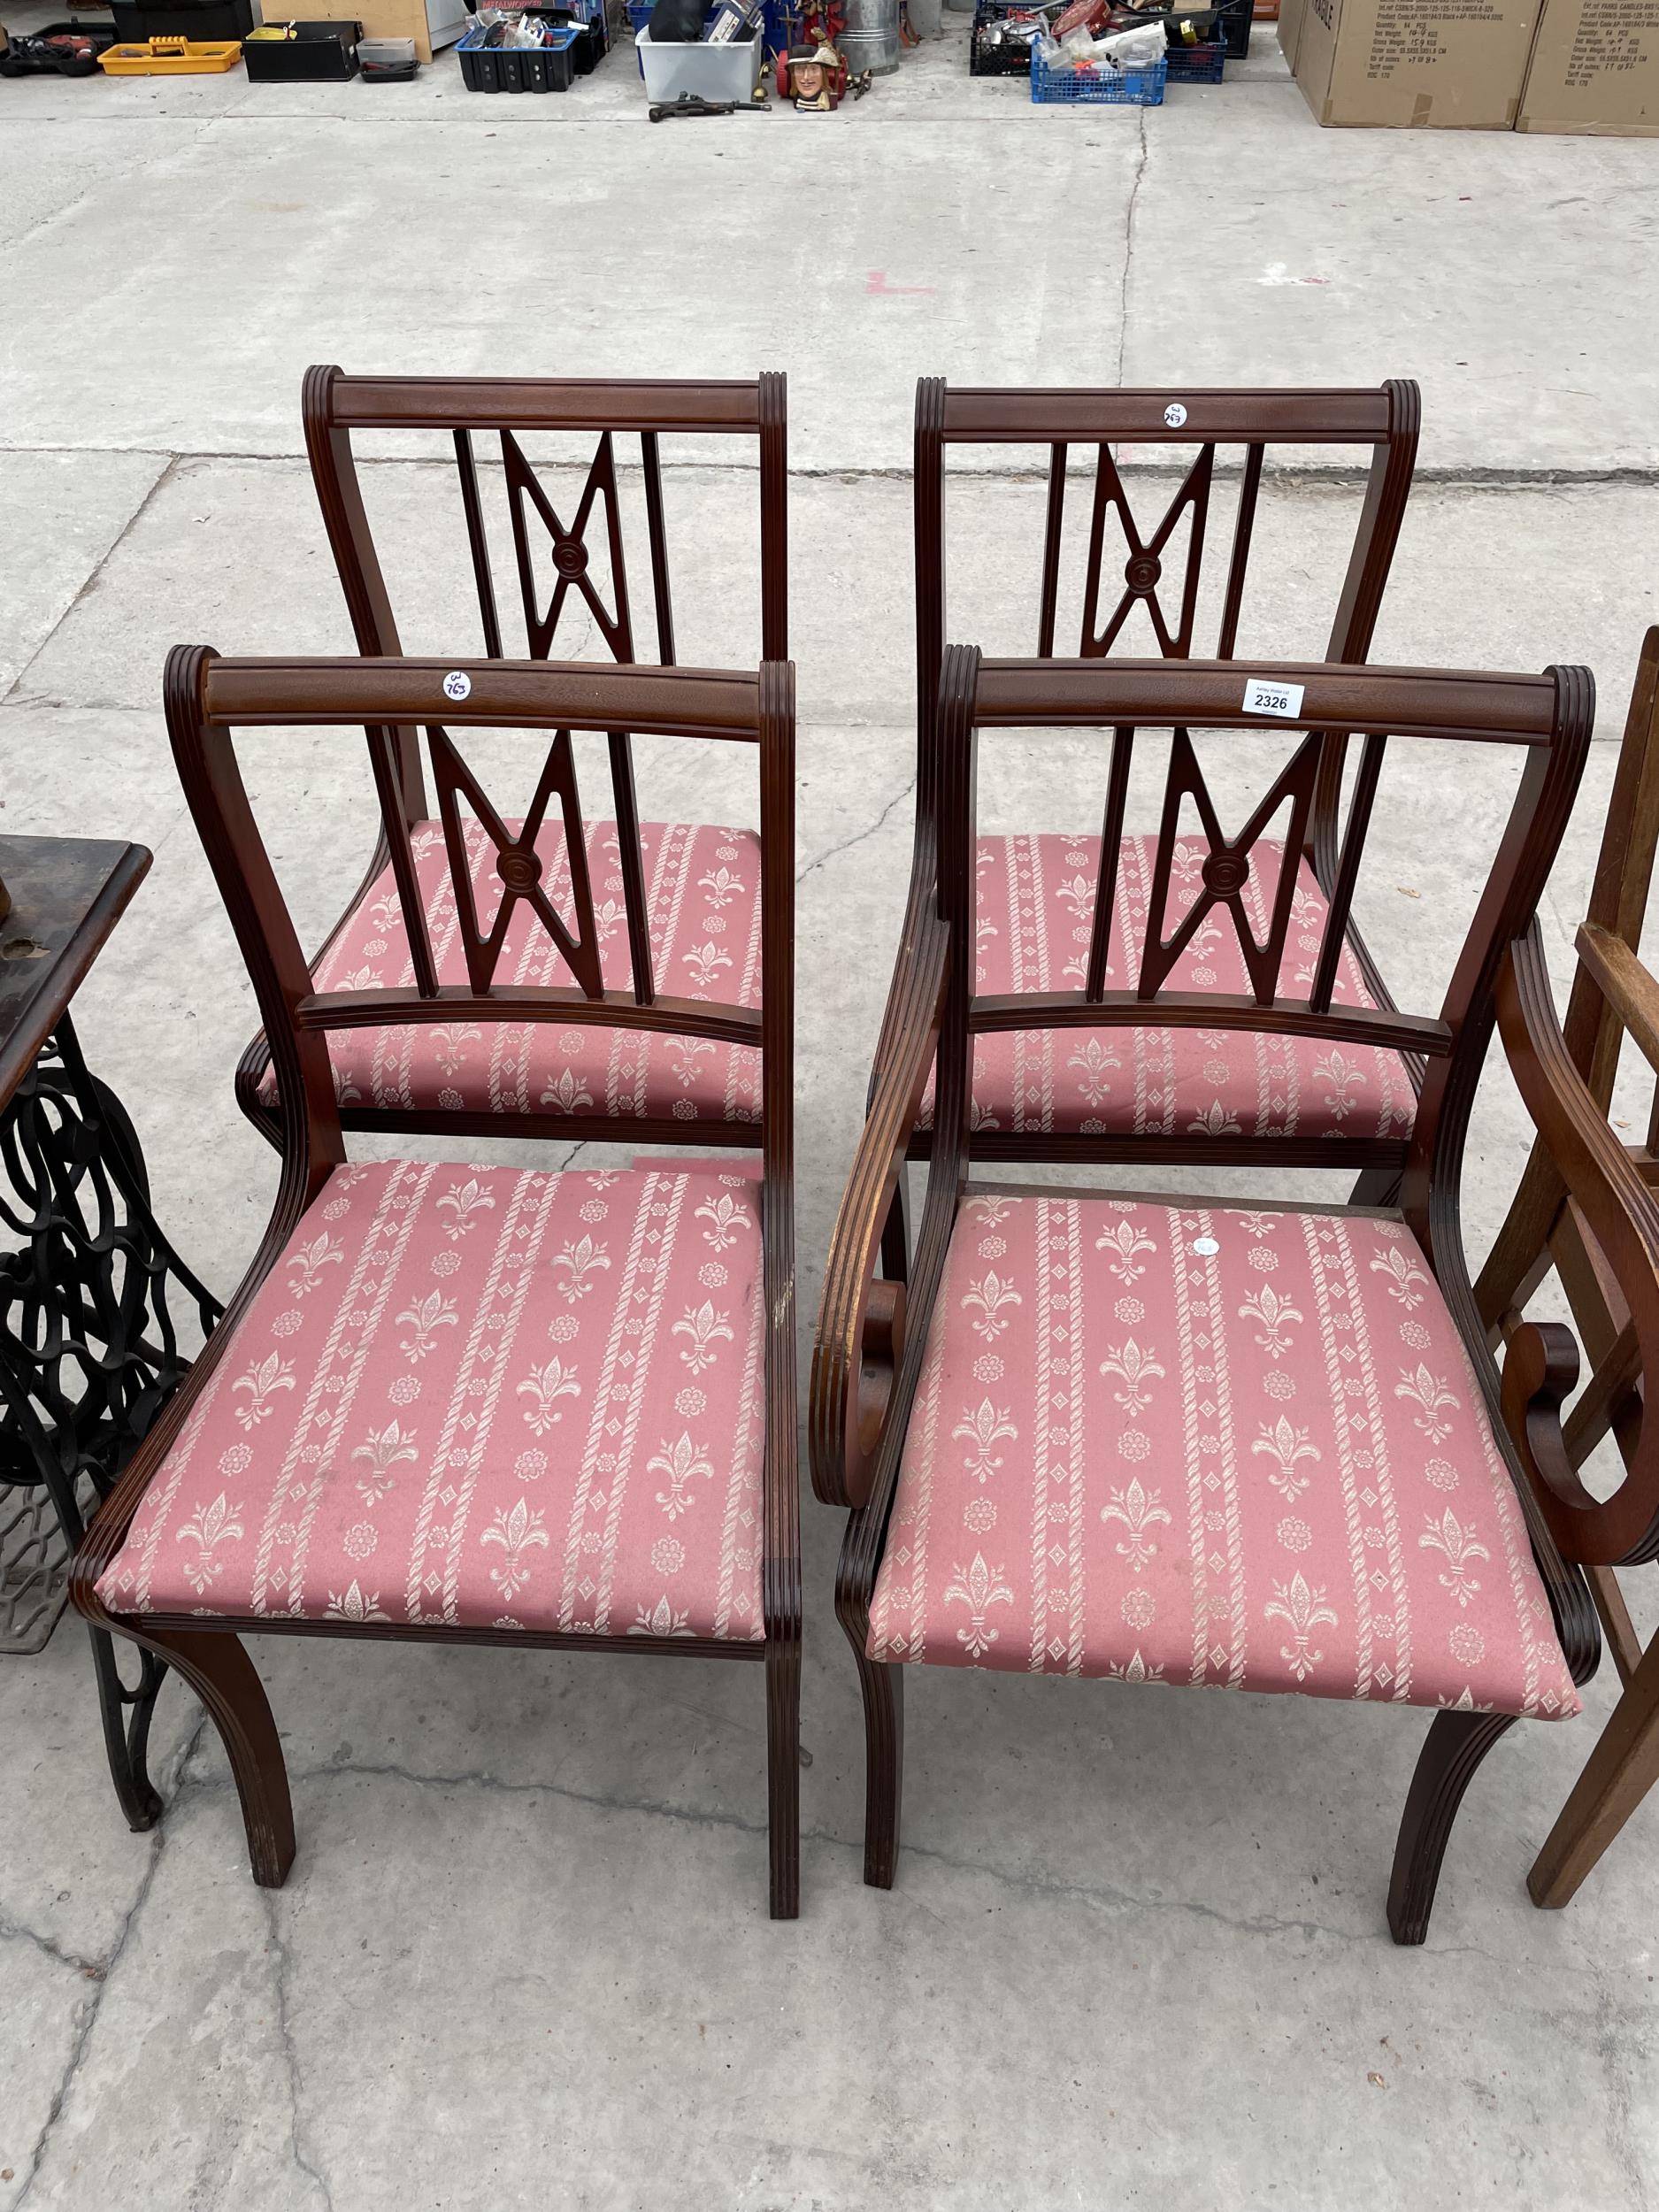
<point>1136,1955</point>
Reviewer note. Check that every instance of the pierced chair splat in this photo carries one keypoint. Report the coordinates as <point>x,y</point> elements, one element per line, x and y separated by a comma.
<point>486,1404</point>
<point>1233,1445</point>
<point>678,904</point>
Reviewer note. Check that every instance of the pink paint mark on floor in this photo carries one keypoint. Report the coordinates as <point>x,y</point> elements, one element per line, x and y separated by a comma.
<point>877,287</point>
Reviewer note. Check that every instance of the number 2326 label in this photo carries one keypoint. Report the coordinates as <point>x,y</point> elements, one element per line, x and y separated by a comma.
<point>1266,698</point>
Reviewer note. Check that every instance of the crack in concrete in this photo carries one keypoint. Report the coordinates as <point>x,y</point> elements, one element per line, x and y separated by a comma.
<point>1621,2139</point>
<point>65,210</point>
<point>17,1931</point>
<point>11,692</point>
<point>497,1784</point>
<point>1098,1897</point>
<point>859,837</point>
<point>303,2158</point>
<point>101,1978</point>
<point>91,578</point>
<point>1287,476</point>
<point>1129,245</point>
<point>89,2021</point>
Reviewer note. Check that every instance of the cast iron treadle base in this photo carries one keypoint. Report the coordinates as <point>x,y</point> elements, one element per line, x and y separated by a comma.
<point>90,1354</point>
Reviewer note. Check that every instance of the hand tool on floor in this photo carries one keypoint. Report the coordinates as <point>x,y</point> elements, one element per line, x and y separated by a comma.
<point>694,104</point>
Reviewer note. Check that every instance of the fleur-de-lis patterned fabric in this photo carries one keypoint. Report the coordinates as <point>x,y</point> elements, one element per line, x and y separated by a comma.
<point>1239,1449</point>
<point>703,891</point>
<point>1035,912</point>
<point>481,1397</point>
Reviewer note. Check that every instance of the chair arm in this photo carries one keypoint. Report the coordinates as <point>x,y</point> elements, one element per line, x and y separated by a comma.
<point>859,1342</point>
<point>921,901</point>
<point>1622,1214</point>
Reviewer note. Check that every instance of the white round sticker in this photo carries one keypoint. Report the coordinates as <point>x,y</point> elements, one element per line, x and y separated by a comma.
<point>1175,414</point>
<point>1205,1247</point>
<point>458,684</point>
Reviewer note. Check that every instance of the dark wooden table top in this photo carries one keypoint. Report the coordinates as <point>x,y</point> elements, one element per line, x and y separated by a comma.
<point>67,895</point>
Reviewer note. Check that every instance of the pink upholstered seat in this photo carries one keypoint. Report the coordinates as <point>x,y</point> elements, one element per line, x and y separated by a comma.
<point>1036,903</point>
<point>481,1397</point>
<point>703,890</point>
<point>1265,1465</point>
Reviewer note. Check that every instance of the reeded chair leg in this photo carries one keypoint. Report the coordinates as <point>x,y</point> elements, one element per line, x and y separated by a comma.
<point>783,1775</point>
<point>1457,1744</point>
<point>883,1688</point>
<point>223,1677</point>
<point>895,1234</point>
<point>1621,1768</point>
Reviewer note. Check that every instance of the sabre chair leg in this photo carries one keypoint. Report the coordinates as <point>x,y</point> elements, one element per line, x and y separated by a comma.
<point>1455,1744</point>
<point>223,1677</point>
<point>1620,1770</point>
<point>783,1774</point>
<point>883,1688</point>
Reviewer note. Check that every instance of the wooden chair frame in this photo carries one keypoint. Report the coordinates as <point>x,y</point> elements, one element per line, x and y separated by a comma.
<point>1387,421</point>
<point>207,700</point>
<point>333,406</point>
<point>1567,1077</point>
<point>871,1335</point>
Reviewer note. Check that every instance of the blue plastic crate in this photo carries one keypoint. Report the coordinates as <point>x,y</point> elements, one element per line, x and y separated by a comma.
<point>549,68</point>
<point>593,39</point>
<point>1106,88</point>
<point>1203,64</point>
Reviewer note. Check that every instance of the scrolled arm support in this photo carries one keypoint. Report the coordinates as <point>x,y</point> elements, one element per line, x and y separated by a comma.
<point>1540,1371</point>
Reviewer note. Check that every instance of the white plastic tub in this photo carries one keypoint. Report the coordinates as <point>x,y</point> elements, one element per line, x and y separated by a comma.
<point>710,72</point>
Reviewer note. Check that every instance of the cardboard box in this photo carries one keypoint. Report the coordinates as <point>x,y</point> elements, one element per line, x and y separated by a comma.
<point>430,23</point>
<point>1290,15</point>
<point>1407,65</point>
<point>1594,69</point>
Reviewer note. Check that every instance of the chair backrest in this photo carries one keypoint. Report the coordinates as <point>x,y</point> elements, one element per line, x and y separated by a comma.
<point>1614,1217</point>
<point>1127,558</point>
<point>1594,1026</point>
<point>1246,885</point>
<point>209,699</point>
<point>1539,1230</point>
<point>501,409</point>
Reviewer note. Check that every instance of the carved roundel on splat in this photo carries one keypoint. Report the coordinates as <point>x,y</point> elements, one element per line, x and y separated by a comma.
<point>1225,873</point>
<point>1226,868</point>
<point>518,865</point>
<point>1143,571</point>
<point>519,868</point>
<point>571,554</point>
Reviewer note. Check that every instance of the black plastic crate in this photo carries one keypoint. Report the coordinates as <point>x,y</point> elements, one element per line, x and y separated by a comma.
<point>519,68</point>
<point>586,19</point>
<point>1202,63</point>
<point>317,53</point>
<point>1236,23</point>
<point>996,61</point>
<point>204,21</point>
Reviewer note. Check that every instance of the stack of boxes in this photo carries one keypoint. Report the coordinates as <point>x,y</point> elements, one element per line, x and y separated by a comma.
<point>1588,66</point>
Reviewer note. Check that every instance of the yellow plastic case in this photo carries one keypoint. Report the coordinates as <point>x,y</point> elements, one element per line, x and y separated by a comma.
<point>171,58</point>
